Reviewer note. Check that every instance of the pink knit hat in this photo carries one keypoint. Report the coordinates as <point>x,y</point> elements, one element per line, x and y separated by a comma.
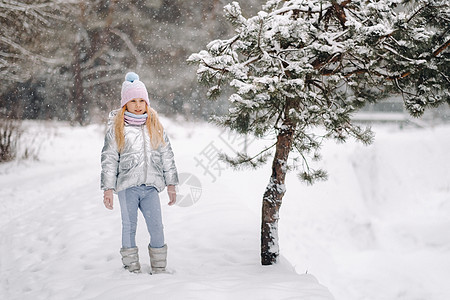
<point>132,88</point>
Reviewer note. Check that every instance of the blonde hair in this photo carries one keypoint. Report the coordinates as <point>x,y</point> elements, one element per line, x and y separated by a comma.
<point>154,128</point>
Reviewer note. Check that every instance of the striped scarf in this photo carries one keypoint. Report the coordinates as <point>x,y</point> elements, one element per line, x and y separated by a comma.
<point>132,119</point>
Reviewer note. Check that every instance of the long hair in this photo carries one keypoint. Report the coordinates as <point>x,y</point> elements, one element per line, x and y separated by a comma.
<point>154,128</point>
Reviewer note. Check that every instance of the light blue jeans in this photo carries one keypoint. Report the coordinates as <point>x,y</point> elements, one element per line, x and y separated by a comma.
<point>146,199</point>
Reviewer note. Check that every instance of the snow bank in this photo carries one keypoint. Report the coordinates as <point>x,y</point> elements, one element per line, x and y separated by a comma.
<point>378,228</point>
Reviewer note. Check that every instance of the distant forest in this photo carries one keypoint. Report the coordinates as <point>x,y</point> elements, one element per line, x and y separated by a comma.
<point>67,60</point>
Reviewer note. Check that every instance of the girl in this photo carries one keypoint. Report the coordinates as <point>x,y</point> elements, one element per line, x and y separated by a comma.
<point>137,164</point>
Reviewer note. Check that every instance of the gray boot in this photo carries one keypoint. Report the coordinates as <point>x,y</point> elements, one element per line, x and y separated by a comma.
<point>158,259</point>
<point>130,259</point>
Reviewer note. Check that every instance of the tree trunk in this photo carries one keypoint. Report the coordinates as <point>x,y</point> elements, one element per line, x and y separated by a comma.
<point>273,196</point>
<point>78,95</point>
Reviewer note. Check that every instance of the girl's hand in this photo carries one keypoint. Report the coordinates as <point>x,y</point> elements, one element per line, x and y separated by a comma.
<point>108,199</point>
<point>172,194</point>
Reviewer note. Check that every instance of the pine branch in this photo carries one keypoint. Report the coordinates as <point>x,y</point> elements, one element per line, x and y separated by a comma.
<point>434,54</point>
<point>214,68</point>
<point>309,175</point>
<point>441,48</point>
<point>339,11</point>
<point>243,159</point>
<point>400,88</point>
<point>267,116</point>
<point>312,176</point>
<point>445,77</point>
<point>417,12</point>
<point>295,9</point>
<point>314,83</point>
<point>321,65</point>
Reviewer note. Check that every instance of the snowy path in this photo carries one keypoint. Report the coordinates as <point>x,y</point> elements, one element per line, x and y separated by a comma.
<point>58,242</point>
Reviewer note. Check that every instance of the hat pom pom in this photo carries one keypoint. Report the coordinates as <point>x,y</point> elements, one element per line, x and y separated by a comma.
<point>131,76</point>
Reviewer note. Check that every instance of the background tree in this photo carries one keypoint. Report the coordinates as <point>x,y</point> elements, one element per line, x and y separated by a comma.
<point>87,46</point>
<point>24,23</point>
<point>102,48</point>
<point>301,68</point>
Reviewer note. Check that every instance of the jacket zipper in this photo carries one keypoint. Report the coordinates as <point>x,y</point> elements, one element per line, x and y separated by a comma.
<point>145,154</point>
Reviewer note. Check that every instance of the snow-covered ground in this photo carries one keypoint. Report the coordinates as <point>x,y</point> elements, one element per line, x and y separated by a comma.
<point>377,229</point>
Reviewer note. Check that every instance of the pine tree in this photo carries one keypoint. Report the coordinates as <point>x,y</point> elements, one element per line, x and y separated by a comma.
<point>300,68</point>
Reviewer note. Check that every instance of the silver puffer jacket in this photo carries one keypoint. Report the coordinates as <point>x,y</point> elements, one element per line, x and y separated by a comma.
<point>138,163</point>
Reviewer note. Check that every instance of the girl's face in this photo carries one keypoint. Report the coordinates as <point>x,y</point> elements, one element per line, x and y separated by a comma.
<point>137,106</point>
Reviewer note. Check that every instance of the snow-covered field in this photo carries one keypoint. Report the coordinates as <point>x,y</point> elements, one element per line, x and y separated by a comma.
<point>377,229</point>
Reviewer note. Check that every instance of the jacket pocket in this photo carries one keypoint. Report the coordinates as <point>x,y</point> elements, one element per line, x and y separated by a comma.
<point>157,161</point>
<point>126,163</point>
